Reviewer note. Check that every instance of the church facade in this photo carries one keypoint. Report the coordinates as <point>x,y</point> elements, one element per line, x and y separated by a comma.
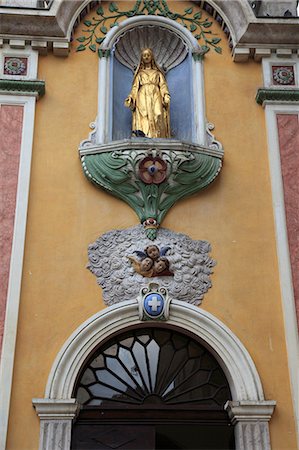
<point>149,224</point>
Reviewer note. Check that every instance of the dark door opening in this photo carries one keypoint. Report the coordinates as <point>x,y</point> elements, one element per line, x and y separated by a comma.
<point>153,437</point>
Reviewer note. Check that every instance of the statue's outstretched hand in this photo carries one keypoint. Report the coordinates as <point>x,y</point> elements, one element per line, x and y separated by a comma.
<point>129,103</point>
<point>166,100</point>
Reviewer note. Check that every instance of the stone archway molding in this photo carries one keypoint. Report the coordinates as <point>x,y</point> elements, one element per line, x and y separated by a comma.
<point>249,411</point>
<point>53,28</point>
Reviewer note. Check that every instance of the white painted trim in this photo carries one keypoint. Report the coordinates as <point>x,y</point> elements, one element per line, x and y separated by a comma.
<point>104,79</point>
<point>199,103</point>
<point>27,52</point>
<point>16,261</point>
<point>231,354</point>
<point>277,61</point>
<point>102,131</point>
<point>285,271</point>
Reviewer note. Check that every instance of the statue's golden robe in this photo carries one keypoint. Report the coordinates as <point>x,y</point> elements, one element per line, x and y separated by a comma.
<point>151,114</point>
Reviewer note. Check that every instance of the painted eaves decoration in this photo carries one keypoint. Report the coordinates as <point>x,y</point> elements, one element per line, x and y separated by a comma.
<point>192,19</point>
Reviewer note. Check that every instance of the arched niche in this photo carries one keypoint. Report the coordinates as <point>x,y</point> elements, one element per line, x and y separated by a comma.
<point>184,74</point>
<point>248,410</point>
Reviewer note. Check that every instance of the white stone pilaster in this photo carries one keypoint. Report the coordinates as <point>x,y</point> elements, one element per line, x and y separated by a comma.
<point>282,244</point>
<point>56,417</point>
<point>251,423</point>
<point>253,436</point>
<point>103,101</point>
<point>55,434</point>
<point>16,259</point>
<point>199,103</point>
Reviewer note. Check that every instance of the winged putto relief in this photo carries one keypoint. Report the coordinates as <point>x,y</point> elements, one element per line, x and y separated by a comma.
<point>124,261</point>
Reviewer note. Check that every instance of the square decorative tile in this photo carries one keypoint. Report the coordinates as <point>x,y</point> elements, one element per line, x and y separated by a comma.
<point>14,65</point>
<point>283,75</point>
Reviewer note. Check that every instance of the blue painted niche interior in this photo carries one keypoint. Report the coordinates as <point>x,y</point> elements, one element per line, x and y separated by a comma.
<point>179,81</point>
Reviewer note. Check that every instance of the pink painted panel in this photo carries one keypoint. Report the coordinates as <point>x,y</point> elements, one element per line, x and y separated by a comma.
<point>288,131</point>
<point>11,122</point>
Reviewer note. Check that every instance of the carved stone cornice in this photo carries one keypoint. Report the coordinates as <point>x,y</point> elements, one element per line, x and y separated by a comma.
<point>279,95</point>
<point>52,23</point>
<point>145,144</point>
<point>250,411</point>
<point>53,28</point>
<point>34,88</point>
<point>51,409</point>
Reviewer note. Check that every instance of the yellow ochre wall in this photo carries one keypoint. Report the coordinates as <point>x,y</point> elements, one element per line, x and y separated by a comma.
<point>66,213</point>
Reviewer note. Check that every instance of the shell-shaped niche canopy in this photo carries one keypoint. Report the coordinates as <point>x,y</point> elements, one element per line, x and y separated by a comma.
<point>169,49</point>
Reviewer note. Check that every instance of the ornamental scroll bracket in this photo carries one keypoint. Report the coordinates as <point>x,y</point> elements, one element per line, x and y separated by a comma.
<point>151,175</point>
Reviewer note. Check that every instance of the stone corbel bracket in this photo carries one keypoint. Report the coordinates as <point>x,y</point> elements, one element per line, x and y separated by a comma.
<point>151,175</point>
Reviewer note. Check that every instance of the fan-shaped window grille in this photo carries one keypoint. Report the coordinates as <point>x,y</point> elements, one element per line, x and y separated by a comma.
<point>153,366</point>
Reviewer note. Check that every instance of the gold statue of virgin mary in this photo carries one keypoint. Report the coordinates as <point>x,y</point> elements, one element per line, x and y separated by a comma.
<point>149,99</point>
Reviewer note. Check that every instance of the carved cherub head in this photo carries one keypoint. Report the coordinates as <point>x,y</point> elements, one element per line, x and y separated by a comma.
<point>146,264</point>
<point>143,267</point>
<point>151,262</point>
<point>161,264</point>
<point>152,252</point>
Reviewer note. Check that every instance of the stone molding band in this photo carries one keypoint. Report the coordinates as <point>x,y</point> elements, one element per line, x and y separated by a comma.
<point>277,95</point>
<point>35,88</point>
<point>250,411</point>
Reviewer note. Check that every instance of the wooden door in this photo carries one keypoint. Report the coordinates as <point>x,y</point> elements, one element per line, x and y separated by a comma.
<point>120,437</point>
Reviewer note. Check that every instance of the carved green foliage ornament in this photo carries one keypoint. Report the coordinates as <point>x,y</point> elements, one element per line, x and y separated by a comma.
<point>152,179</point>
<point>97,28</point>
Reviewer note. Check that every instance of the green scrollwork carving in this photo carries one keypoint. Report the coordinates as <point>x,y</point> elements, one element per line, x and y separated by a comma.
<point>118,172</point>
<point>97,28</point>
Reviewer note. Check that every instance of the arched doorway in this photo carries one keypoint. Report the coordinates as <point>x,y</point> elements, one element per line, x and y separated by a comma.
<point>152,388</point>
<point>248,411</point>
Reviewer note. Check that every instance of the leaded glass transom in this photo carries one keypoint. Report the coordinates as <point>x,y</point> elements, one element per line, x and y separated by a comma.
<point>152,366</point>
